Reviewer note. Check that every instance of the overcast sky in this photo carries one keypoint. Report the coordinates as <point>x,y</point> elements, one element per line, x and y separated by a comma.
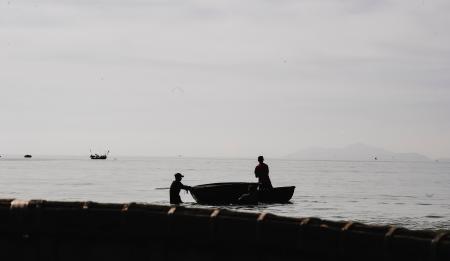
<point>223,78</point>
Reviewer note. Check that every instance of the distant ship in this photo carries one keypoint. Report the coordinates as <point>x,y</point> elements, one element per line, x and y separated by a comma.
<point>27,156</point>
<point>97,156</point>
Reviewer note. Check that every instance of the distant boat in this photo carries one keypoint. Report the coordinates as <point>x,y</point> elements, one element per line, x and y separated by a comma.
<point>27,156</point>
<point>98,156</point>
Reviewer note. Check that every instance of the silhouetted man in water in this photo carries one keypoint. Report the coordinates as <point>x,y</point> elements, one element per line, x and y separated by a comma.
<point>262,173</point>
<point>175,189</point>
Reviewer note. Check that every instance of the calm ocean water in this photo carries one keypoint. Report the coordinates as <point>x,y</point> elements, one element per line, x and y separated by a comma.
<point>411,194</point>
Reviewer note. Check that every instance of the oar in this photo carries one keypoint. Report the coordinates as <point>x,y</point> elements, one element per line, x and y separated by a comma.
<point>187,191</point>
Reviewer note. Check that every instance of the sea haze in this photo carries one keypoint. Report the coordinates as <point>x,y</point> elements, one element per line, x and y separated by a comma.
<point>355,152</point>
<point>410,194</point>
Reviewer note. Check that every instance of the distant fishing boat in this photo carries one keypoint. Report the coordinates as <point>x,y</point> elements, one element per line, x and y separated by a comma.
<point>27,156</point>
<point>98,156</point>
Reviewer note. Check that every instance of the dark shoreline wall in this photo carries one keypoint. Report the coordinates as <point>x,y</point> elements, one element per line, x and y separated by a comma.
<point>49,230</point>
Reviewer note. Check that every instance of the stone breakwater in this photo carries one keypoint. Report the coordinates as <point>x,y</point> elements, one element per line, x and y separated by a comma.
<point>50,230</point>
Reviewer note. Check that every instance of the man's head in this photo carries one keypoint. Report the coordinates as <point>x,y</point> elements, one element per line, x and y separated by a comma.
<point>261,159</point>
<point>178,176</point>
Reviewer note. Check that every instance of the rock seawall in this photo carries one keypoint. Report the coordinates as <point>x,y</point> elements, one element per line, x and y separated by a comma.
<point>50,230</point>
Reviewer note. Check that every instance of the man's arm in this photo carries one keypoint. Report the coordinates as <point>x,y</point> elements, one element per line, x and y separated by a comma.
<point>185,187</point>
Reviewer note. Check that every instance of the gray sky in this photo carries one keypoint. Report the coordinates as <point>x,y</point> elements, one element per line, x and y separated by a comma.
<point>223,78</point>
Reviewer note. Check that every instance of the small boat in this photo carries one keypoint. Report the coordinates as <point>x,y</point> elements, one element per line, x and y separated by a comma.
<point>27,156</point>
<point>229,193</point>
<point>97,156</point>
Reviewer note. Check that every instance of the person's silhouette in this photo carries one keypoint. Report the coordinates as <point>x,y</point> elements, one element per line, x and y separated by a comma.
<point>175,189</point>
<point>262,173</point>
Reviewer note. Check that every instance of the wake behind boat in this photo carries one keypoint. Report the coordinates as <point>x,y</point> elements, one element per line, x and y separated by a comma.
<point>230,192</point>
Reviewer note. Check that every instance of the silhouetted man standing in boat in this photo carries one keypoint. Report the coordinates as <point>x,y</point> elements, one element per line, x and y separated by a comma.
<point>262,173</point>
<point>175,189</point>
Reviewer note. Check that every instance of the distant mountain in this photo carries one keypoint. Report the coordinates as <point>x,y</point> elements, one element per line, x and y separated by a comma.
<point>443,160</point>
<point>357,151</point>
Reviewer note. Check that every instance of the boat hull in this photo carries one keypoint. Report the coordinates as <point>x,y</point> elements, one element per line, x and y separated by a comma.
<point>277,195</point>
<point>230,192</point>
<point>103,157</point>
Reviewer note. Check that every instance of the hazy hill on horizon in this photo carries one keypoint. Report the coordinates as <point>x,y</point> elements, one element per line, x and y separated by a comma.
<point>357,151</point>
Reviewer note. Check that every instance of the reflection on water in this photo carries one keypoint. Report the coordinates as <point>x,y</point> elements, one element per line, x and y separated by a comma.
<point>415,195</point>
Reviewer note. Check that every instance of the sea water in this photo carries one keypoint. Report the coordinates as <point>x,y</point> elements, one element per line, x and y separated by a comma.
<point>415,195</point>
